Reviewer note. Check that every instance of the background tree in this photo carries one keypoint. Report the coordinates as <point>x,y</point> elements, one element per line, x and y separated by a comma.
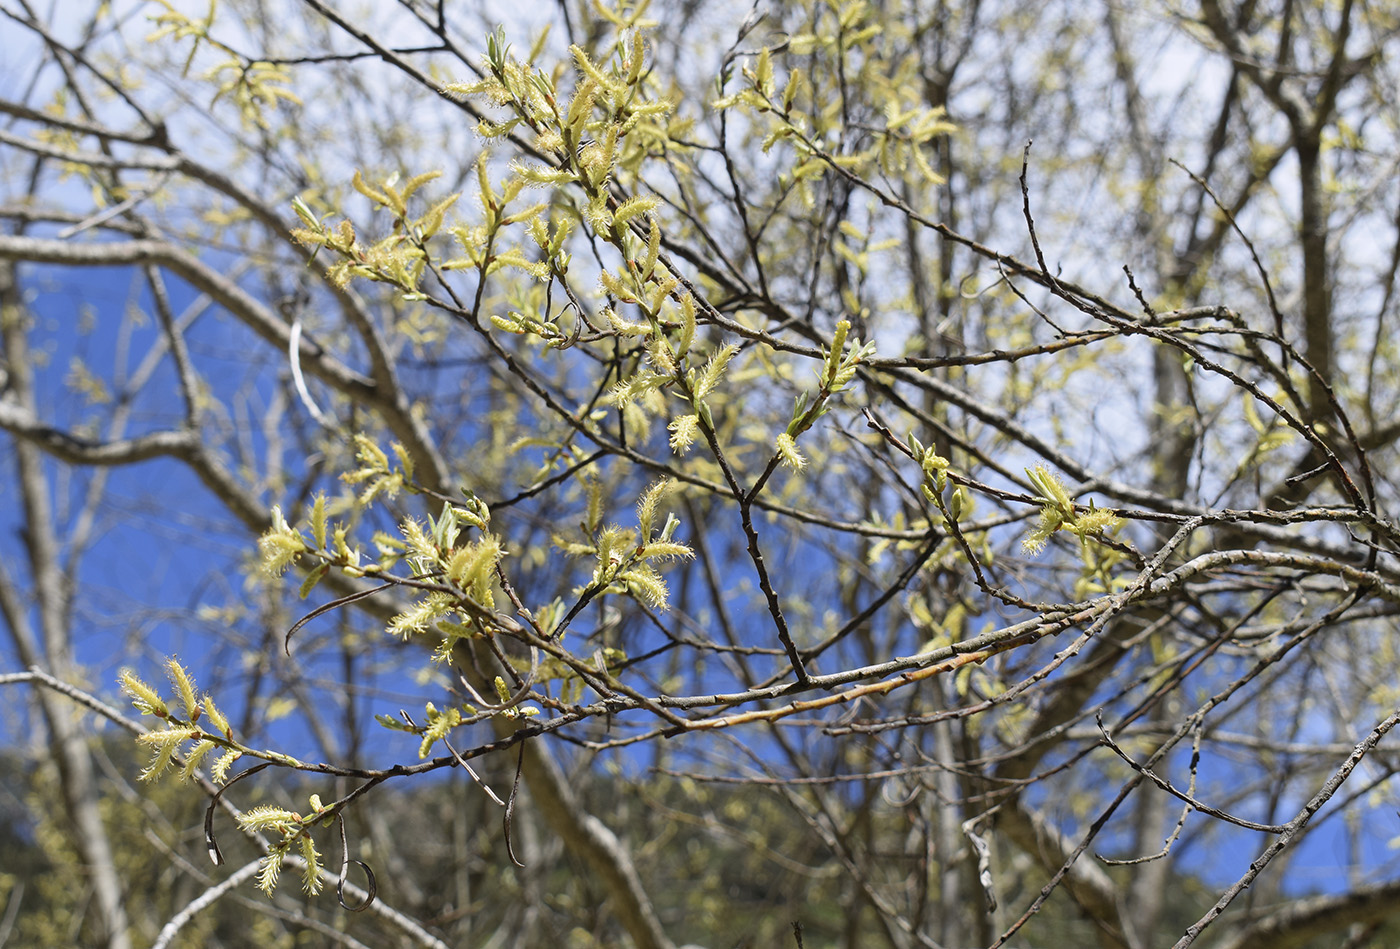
<point>735,480</point>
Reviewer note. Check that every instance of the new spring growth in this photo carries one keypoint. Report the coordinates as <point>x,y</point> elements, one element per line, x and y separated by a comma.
<point>181,736</point>
<point>375,471</point>
<point>292,827</point>
<point>626,559</point>
<point>400,257</point>
<point>509,707</point>
<point>440,723</point>
<point>934,465</point>
<point>839,366</point>
<point>470,567</point>
<point>637,573</point>
<point>280,545</point>
<point>1057,512</point>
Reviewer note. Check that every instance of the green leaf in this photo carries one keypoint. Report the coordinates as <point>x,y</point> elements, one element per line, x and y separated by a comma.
<point>313,578</point>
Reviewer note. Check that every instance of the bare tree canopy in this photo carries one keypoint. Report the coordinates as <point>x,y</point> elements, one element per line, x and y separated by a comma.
<point>841,472</point>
